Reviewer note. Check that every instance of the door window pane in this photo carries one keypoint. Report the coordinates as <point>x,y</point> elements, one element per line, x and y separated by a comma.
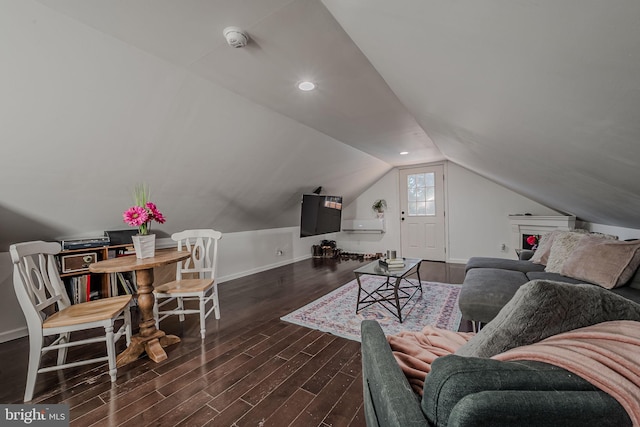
<point>421,192</point>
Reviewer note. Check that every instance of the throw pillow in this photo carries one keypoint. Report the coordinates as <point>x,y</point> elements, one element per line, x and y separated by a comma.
<point>542,308</point>
<point>541,255</point>
<point>563,245</point>
<point>605,262</point>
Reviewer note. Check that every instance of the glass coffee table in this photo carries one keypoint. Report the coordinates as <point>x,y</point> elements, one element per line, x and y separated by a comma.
<point>395,292</point>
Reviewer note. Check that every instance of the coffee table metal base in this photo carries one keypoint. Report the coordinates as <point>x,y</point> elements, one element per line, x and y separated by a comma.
<point>393,294</point>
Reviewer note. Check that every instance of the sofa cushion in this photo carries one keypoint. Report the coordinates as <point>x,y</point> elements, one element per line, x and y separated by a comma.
<point>502,263</point>
<point>543,308</point>
<point>627,292</point>
<point>486,290</point>
<point>554,277</point>
<point>605,262</point>
<point>538,408</point>
<point>453,377</point>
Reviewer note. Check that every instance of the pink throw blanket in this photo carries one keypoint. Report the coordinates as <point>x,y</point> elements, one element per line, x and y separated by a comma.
<point>607,355</point>
<point>415,351</point>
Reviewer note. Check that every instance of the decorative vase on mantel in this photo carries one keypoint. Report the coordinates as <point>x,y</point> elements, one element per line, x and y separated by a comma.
<point>145,245</point>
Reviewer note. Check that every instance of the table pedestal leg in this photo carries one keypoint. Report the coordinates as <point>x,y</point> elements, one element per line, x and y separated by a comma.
<point>149,339</point>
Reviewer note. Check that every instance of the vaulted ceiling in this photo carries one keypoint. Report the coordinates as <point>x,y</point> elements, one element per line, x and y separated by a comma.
<point>540,96</point>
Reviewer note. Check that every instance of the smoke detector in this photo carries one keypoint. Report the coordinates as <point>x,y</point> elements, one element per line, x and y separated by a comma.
<point>235,37</point>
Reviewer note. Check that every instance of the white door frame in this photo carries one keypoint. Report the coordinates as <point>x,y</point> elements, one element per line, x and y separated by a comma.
<point>445,203</point>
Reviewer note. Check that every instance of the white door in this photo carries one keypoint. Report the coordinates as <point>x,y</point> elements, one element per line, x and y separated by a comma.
<point>422,212</point>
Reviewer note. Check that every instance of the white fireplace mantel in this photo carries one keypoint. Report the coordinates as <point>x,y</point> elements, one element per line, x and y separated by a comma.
<point>534,224</point>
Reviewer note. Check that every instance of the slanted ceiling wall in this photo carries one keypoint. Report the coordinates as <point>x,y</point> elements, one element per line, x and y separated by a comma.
<point>85,117</point>
<point>539,96</point>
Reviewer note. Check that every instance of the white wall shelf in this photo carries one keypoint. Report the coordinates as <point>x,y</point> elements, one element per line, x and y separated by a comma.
<point>373,226</point>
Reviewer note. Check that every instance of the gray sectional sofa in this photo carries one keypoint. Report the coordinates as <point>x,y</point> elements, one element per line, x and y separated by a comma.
<point>490,283</point>
<point>468,388</point>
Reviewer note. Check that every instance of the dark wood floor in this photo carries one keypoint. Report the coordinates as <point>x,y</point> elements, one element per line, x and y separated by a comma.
<point>251,370</point>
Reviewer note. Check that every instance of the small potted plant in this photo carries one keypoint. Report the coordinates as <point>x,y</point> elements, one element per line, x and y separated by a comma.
<point>379,206</point>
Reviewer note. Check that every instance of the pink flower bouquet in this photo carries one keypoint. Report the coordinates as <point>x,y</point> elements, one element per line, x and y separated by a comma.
<point>143,212</point>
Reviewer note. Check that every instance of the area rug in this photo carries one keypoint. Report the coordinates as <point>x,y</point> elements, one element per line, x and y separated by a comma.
<point>336,312</point>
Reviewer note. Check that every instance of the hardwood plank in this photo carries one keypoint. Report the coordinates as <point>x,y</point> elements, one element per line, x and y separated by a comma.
<point>115,414</point>
<point>116,401</point>
<point>184,410</point>
<point>296,347</point>
<point>231,415</point>
<point>280,394</point>
<point>198,367</point>
<point>324,402</point>
<point>344,411</point>
<point>289,411</point>
<point>316,346</point>
<point>354,367</point>
<point>264,388</point>
<point>227,396</point>
<point>232,376</point>
<point>199,381</point>
<point>324,375</point>
<point>281,337</point>
<point>199,417</point>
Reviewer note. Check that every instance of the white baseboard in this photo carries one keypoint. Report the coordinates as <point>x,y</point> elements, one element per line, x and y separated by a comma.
<point>457,260</point>
<point>13,334</point>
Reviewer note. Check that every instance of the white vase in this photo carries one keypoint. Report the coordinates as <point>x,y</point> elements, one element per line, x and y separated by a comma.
<point>145,245</point>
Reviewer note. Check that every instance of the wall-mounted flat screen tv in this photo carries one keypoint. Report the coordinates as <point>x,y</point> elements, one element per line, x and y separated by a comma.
<point>320,214</point>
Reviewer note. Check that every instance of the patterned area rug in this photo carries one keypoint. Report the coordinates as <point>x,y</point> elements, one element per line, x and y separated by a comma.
<point>336,312</point>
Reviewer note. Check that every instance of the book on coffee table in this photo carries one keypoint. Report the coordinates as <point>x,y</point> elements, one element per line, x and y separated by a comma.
<point>392,263</point>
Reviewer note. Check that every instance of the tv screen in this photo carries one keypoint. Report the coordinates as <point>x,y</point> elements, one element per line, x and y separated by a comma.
<point>320,214</point>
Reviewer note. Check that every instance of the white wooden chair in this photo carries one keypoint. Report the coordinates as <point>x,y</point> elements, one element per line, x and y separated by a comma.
<point>203,245</point>
<point>49,312</point>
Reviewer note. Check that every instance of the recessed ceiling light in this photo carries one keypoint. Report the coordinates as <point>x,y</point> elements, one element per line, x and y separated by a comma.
<point>306,86</point>
<point>404,153</point>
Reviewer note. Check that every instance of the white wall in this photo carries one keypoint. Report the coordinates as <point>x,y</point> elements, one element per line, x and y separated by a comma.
<point>621,232</point>
<point>386,188</point>
<point>250,252</point>
<point>477,215</point>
